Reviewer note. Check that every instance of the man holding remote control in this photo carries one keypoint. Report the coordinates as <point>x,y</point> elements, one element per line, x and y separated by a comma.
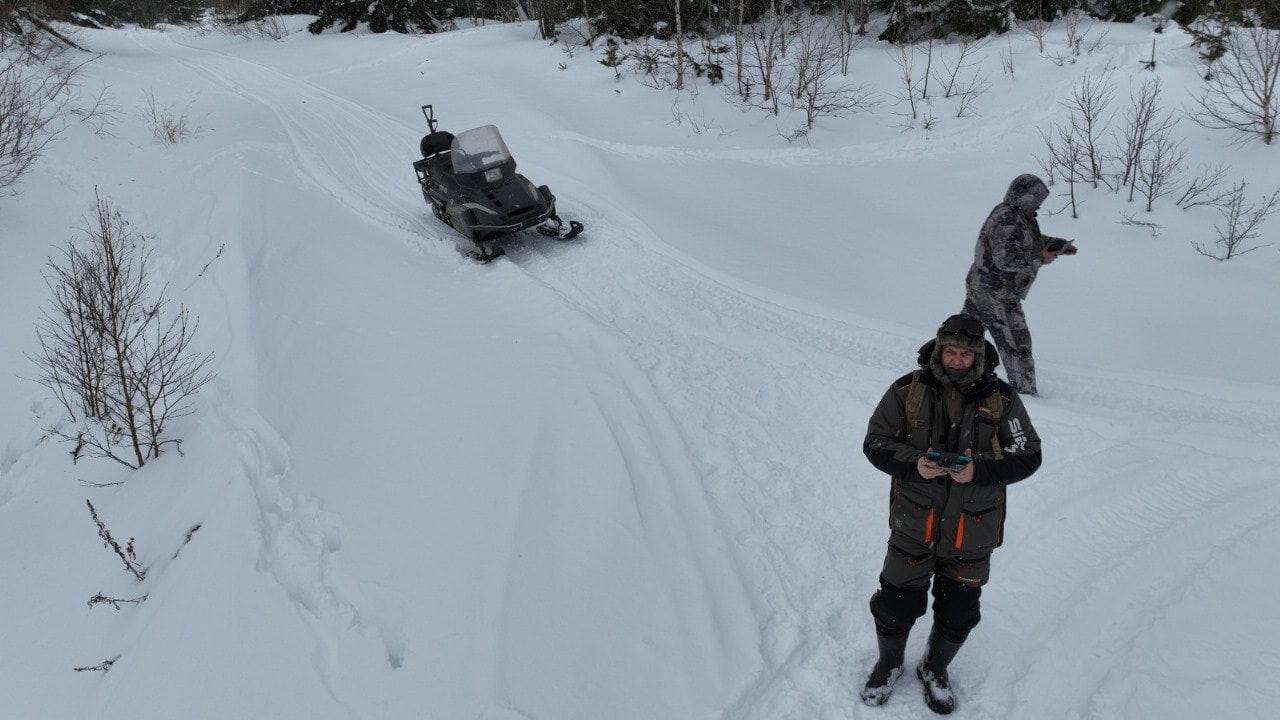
<point>952,436</point>
<point>1009,254</point>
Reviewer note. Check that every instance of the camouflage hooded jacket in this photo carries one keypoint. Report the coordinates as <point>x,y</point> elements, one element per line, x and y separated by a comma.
<point>1007,257</point>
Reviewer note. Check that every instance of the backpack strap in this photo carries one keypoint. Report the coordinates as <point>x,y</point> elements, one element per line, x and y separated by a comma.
<point>914,401</point>
<point>995,406</point>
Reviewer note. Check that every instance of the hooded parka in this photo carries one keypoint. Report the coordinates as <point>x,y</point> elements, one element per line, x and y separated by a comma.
<point>941,518</point>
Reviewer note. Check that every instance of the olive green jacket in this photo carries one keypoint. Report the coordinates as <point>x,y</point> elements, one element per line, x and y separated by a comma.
<point>941,515</point>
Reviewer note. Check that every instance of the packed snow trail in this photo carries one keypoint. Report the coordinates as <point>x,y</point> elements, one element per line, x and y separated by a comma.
<point>604,479</point>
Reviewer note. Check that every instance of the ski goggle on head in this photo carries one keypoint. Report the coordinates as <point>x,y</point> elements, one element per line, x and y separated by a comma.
<point>965,325</point>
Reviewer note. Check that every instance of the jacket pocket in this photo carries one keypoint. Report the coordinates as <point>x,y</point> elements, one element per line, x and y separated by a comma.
<point>979,531</point>
<point>911,519</point>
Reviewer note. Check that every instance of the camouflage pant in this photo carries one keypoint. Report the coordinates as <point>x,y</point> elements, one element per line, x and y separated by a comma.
<point>1008,327</point>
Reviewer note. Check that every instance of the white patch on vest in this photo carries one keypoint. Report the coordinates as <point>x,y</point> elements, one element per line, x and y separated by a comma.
<point>1019,442</point>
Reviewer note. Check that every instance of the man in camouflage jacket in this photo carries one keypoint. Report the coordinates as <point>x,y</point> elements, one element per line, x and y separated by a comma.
<point>943,523</point>
<point>1009,253</point>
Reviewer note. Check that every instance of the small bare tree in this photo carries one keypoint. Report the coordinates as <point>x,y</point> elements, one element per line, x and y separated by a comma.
<point>1076,34</point>
<point>1204,188</point>
<point>1143,121</point>
<point>1160,169</point>
<point>1037,27</point>
<point>852,12</point>
<point>952,80</point>
<point>763,57</point>
<point>679,46</point>
<point>1006,61</point>
<point>1068,159</point>
<point>928,69</point>
<point>904,55</point>
<point>1089,105</point>
<point>1243,95</point>
<point>118,359</point>
<point>969,92</point>
<point>1241,224</point>
<point>815,86</point>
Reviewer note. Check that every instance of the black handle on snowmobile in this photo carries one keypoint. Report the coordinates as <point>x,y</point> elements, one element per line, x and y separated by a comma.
<point>430,114</point>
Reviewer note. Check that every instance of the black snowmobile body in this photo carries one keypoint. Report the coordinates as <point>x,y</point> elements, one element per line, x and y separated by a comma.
<point>470,182</point>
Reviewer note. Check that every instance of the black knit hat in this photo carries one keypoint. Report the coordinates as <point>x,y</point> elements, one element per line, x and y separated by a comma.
<point>964,331</point>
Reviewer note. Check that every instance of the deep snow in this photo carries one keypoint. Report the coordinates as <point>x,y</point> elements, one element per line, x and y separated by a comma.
<point>620,477</point>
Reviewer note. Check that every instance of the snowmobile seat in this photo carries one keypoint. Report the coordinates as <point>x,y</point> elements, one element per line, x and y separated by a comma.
<point>435,143</point>
<point>440,165</point>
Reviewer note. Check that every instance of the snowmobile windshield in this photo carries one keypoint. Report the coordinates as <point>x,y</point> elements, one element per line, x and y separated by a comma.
<point>479,149</point>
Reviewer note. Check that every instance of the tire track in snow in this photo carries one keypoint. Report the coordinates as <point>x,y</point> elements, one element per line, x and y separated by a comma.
<point>319,137</point>
<point>689,333</point>
<point>734,374</point>
<point>364,198</point>
<point>731,371</point>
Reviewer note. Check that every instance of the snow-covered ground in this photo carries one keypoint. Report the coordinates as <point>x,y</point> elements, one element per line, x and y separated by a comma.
<point>621,477</point>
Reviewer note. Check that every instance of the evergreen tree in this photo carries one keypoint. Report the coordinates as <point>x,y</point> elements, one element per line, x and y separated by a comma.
<point>402,16</point>
<point>915,20</point>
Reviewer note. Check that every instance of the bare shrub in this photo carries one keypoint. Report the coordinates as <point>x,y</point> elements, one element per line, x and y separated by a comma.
<point>1203,189</point>
<point>101,114</point>
<point>125,553</point>
<point>270,27</point>
<point>852,19</point>
<point>928,69</point>
<point>1241,224</point>
<point>1160,169</point>
<point>954,74</point>
<point>1128,219</point>
<point>1090,115</point>
<point>815,86</point>
<point>1037,28</point>
<point>646,59</point>
<point>763,52</point>
<point>1242,95</point>
<point>969,92</point>
<point>1143,122</point>
<point>699,123</point>
<point>1077,35</point>
<point>112,352</point>
<point>169,125</point>
<point>1068,158</point>
<point>904,56</point>
<point>35,88</point>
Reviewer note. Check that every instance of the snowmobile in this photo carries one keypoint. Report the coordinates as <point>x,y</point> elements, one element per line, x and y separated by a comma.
<point>470,182</point>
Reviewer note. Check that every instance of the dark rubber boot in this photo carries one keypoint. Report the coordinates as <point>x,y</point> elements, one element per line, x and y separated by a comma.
<point>887,670</point>
<point>932,672</point>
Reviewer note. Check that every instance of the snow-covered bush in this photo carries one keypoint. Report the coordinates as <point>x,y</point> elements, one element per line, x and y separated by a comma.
<point>112,350</point>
